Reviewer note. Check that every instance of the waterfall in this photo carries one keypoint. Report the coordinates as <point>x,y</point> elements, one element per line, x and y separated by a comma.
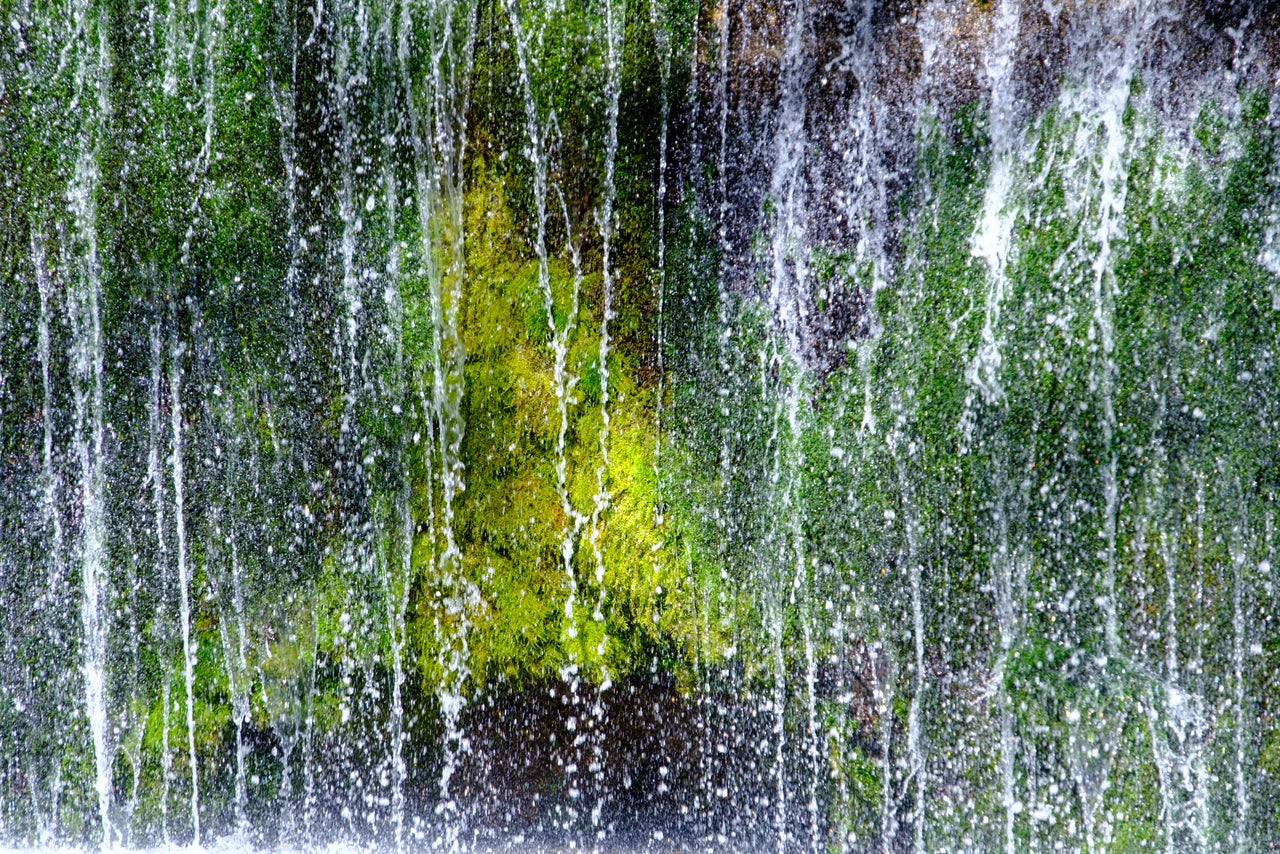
<point>84,298</point>
<point>44,283</point>
<point>662,43</point>
<point>601,426</point>
<point>156,478</point>
<point>184,579</point>
<point>237,662</point>
<point>991,243</point>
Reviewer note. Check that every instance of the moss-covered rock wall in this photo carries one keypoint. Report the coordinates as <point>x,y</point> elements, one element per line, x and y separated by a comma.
<point>864,412</point>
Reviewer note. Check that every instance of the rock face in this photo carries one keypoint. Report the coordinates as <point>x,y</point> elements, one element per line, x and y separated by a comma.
<point>638,761</point>
<point>869,81</point>
<point>756,424</point>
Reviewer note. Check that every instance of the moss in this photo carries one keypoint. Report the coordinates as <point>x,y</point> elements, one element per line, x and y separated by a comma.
<point>511,520</point>
<point>310,448</point>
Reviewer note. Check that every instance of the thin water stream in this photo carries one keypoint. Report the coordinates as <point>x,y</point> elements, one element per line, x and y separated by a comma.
<point>640,427</point>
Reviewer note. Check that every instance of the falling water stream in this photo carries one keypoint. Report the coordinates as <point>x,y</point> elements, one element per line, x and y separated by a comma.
<point>541,425</point>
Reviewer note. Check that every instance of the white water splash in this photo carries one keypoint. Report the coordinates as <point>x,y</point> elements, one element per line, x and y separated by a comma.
<point>994,235</point>
<point>184,578</point>
<point>84,297</point>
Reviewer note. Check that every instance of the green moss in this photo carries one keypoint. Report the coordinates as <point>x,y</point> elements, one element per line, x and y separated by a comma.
<point>511,521</point>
